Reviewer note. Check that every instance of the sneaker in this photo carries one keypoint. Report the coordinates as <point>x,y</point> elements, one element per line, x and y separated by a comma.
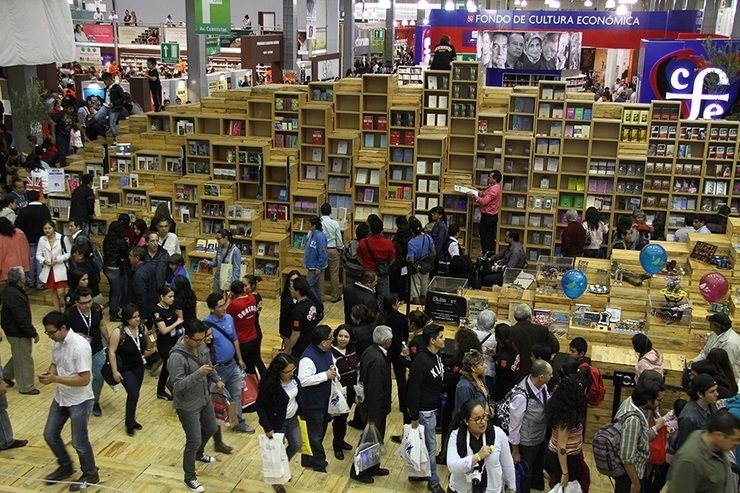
<point>164,397</point>
<point>207,459</point>
<point>278,488</point>
<point>244,429</point>
<point>396,438</point>
<point>61,472</point>
<point>86,479</point>
<point>114,317</point>
<point>96,410</point>
<point>194,485</point>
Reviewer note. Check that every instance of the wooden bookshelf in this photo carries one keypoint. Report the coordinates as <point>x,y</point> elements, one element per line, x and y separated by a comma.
<point>436,98</point>
<point>315,124</point>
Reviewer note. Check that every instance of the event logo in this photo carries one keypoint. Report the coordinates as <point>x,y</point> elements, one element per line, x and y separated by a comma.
<point>705,92</point>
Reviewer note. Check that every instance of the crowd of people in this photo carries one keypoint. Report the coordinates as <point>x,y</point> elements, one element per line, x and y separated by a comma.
<point>499,384</point>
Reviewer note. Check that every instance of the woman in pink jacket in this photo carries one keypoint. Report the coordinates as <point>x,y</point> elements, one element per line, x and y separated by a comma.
<point>13,248</point>
<point>647,357</point>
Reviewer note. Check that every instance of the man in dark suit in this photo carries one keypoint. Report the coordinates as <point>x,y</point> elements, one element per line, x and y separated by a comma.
<point>526,334</point>
<point>360,293</point>
<point>375,375</point>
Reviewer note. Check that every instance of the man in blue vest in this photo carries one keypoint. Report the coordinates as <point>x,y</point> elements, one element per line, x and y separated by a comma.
<point>228,357</point>
<point>316,370</point>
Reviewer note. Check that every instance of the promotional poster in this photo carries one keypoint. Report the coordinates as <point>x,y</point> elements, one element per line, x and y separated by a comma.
<point>529,50</point>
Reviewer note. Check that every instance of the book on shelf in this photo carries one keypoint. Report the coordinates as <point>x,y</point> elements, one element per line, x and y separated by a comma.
<point>367,122</point>
<point>200,245</point>
<point>317,154</point>
<point>432,202</point>
<point>395,137</point>
<point>544,110</point>
<point>547,93</point>
<point>397,155</point>
<point>409,138</point>
<point>104,182</point>
<point>382,122</point>
<point>433,101</point>
<point>442,120</point>
<point>362,174</point>
<point>211,245</point>
<point>434,186</point>
<point>374,177</point>
<point>369,195</point>
<point>432,82</point>
<point>383,141</point>
<point>422,185</point>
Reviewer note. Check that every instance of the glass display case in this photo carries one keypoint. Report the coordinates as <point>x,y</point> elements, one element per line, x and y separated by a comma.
<point>520,278</point>
<point>448,285</point>
<point>550,270</point>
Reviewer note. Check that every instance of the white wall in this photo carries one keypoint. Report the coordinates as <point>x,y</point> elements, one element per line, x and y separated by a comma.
<point>152,12</point>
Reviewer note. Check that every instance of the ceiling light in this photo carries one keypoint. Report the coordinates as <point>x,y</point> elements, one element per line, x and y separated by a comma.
<point>610,4</point>
<point>449,5</point>
<point>622,10</point>
<point>426,21</point>
<point>384,4</point>
<point>524,3</point>
<point>555,4</point>
<point>422,4</point>
<point>588,3</point>
<point>472,7</point>
<point>517,2</point>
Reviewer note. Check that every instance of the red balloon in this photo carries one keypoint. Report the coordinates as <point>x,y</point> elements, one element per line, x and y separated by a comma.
<point>714,286</point>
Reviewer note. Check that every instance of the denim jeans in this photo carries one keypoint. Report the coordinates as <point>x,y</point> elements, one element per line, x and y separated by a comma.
<point>231,374</point>
<point>317,421</point>
<point>118,283</point>
<point>112,116</point>
<point>80,415</point>
<point>97,365</point>
<point>132,380</point>
<point>314,280</point>
<point>32,276</point>
<point>199,426</point>
<point>292,432</point>
<point>6,429</point>
<point>383,288</point>
<point>429,420</point>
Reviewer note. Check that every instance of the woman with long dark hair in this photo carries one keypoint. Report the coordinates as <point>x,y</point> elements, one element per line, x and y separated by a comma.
<point>277,404</point>
<point>243,309</point>
<point>170,328</point>
<point>597,232</point>
<point>647,357</point>
<point>128,341</point>
<point>287,302</point>
<point>364,321</point>
<point>53,252</point>
<point>477,447</point>
<point>140,230</point>
<point>115,267</point>
<point>226,253</point>
<point>185,303</point>
<point>565,414</point>
<point>439,230</point>
<point>343,350</point>
<point>417,321</point>
<point>507,362</point>
<point>724,374</point>
<point>77,278</point>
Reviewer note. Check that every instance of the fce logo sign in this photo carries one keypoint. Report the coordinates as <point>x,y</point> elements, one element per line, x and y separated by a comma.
<point>682,76</point>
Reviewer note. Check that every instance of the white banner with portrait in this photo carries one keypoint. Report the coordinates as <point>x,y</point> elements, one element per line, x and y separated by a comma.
<point>529,50</point>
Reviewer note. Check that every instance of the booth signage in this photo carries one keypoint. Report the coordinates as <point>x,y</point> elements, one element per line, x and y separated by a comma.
<point>213,16</point>
<point>213,45</point>
<point>446,307</point>
<point>595,29</point>
<point>678,71</point>
<point>170,52</point>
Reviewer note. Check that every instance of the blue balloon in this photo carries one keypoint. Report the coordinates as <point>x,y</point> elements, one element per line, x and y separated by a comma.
<point>653,258</point>
<point>574,283</point>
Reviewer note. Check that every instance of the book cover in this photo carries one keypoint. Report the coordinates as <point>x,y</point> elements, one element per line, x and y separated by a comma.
<point>211,245</point>
<point>408,155</point>
<point>570,113</point>
<point>579,113</point>
<point>367,122</point>
<point>382,122</point>
<point>342,147</point>
<point>369,140</point>
<point>395,137</point>
<point>317,154</point>
<point>408,138</point>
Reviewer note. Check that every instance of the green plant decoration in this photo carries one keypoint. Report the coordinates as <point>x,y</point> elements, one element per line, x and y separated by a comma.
<point>723,57</point>
<point>29,111</point>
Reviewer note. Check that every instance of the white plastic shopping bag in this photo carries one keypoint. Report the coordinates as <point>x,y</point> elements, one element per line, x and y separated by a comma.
<point>275,465</point>
<point>413,451</point>
<point>338,399</point>
<point>369,451</point>
<point>571,487</point>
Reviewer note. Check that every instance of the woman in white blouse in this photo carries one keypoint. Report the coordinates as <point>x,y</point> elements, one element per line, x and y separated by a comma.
<point>597,233</point>
<point>53,253</point>
<point>478,453</point>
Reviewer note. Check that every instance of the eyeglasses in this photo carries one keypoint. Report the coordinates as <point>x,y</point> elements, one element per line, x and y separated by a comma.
<point>481,419</point>
<point>197,341</point>
<point>80,302</point>
<point>50,334</point>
